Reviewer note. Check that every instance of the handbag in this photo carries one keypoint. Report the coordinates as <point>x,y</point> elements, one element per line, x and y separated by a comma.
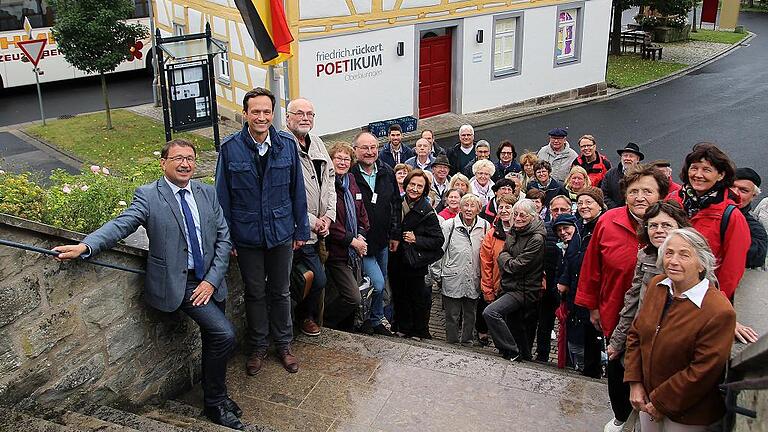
<point>417,259</point>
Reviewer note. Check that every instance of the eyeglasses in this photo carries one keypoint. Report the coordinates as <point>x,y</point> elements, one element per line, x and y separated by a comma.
<point>664,226</point>
<point>587,145</point>
<point>506,153</point>
<point>180,159</point>
<point>523,215</point>
<point>302,114</point>
<point>342,159</point>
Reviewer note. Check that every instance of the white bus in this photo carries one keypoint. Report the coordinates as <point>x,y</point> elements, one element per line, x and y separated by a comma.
<point>15,69</point>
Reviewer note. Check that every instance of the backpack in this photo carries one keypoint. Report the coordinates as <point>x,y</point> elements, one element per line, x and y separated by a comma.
<point>725,220</point>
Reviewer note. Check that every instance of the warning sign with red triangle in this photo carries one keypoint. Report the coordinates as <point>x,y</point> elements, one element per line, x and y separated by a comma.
<point>33,49</point>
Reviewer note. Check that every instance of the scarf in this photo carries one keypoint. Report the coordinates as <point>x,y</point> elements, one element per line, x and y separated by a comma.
<point>351,223</point>
<point>481,191</point>
<point>693,202</point>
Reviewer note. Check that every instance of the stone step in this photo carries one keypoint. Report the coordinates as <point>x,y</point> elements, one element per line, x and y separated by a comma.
<point>129,420</point>
<point>15,421</point>
<point>187,412</point>
<point>91,424</point>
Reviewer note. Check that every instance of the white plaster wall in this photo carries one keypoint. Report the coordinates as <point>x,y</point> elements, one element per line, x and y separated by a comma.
<point>195,21</point>
<point>343,104</point>
<point>419,3</point>
<point>219,26</point>
<point>538,77</point>
<point>309,9</point>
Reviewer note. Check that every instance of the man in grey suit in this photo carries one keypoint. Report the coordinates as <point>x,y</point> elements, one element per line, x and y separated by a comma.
<point>188,259</point>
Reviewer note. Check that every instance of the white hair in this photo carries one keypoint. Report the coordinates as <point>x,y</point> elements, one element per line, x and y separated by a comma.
<point>473,198</point>
<point>699,244</point>
<point>483,163</point>
<point>527,206</point>
<point>483,143</point>
<point>467,127</point>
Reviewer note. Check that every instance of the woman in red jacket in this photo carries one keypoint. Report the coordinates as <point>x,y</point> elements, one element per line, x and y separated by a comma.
<point>608,267</point>
<point>707,175</point>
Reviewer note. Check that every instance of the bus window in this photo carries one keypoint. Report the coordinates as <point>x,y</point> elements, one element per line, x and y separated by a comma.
<point>141,9</point>
<point>12,13</point>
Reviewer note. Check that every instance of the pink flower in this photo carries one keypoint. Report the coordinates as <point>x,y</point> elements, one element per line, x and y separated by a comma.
<point>84,188</point>
<point>105,171</point>
<point>2,172</point>
<point>66,189</point>
<point>95,169</point>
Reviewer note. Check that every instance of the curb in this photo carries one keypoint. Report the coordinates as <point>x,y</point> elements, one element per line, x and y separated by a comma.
<point>619,93</point>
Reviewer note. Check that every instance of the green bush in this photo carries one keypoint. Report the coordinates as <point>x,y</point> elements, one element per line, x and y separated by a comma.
<point>85,201</point>
<point>21,197</point>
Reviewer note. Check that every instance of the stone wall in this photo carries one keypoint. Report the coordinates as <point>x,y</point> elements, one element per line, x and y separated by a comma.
<point>71,332</point>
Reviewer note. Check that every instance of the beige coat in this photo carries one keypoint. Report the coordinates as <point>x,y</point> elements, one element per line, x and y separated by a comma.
<point>321,198</point>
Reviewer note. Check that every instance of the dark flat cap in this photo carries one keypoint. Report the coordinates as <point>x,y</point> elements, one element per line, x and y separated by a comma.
<point>558,132</point>
<point>501,183</point>
<point>565,219</point>
<point>748,174</point>
<point>442,160</point>
<point>661,163</point>
<point>632,147</point>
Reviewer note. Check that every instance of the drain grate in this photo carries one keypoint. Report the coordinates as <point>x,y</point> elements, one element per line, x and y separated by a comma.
<point>66,116</point>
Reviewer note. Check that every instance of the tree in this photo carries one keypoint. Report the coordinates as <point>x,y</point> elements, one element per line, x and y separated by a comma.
<point>94,36</point>
<point>619,6</point>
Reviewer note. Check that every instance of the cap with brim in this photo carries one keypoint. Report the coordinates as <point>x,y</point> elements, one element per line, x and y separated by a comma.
<point>633,148</point>
<point>565,219</point>
<point>442,160</point>
<point>748,174</point>
<point>558,132</point>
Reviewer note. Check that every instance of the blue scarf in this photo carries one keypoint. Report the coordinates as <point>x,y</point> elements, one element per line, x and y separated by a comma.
<point>351,222</point>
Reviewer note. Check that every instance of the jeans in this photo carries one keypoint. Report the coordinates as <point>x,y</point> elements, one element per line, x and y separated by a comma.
<point>218,336</point>
<point>309,307</point>
<point>375,267</point>
<point>266,276</point>
<point>513,337</point>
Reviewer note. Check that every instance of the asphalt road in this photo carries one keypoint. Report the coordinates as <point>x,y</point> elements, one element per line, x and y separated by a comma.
<point>725,102</point>
<point>19,105</point>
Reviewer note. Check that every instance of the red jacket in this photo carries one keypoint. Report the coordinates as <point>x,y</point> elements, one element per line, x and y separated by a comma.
<point>595,170</point>
<point>731,256</point>
<point>608,266</point>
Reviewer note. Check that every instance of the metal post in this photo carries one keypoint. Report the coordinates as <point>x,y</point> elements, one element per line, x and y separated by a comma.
<point>155,72</point>
<point>212,92</point>
<point>273,82</point>
<point>163,93</point>
<point>39,93</point>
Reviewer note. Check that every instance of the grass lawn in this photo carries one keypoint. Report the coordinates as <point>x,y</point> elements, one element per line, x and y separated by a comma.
<point>631,70</point>
<point>727,37</point>
<point>133,139</point>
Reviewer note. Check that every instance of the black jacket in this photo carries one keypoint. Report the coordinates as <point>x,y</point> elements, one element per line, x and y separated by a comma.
<point>610,187</point>
<point>552,258</point>
<point>521,261</point>
<point>759,246</point>
<point>568,273</point>
<point>552,190</point>
<point>384,215</point>
<point>455,154</point>
<point>423,221</point>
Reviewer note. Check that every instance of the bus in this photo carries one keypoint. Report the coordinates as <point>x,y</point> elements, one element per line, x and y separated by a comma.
<point>16,70</point>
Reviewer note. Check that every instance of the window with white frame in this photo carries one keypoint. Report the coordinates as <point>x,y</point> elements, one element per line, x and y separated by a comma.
<point>506,49</point>
<point>567,35</point>
<point>222,64</point>
<point>178,29</point>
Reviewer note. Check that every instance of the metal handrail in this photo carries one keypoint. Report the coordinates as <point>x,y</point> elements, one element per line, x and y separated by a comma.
<point>44,251</point>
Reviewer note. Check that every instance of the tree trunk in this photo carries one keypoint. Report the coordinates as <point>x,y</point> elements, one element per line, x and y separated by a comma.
<point>106,100</point>
<point>616,30</point>
<point>693,24</point>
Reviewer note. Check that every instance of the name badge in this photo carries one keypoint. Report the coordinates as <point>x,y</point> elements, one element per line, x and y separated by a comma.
<point>358,196</point>
<point>374,197</point>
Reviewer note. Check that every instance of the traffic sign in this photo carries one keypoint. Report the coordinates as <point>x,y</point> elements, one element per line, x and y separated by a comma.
<point>33,49</point>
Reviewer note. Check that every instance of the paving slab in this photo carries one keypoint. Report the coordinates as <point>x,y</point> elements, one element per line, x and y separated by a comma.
<point>345,384</point>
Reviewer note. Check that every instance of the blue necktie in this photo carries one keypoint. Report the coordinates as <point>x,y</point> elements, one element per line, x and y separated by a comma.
<point>197,256</point>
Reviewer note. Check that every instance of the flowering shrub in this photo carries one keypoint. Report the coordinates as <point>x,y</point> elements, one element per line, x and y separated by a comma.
<point>648,22</point>
<point>81,202</point>
<point>20,196</point>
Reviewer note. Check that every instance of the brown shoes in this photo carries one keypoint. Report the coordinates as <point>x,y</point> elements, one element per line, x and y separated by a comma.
<point>255,362</point>
<point>289,361</point>
<point>310,327</point>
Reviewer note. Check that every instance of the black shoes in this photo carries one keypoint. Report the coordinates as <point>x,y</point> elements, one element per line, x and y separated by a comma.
<point>221,415</point>
<point>382,330</point>
<point>230,405</point>
<point>512,356</point>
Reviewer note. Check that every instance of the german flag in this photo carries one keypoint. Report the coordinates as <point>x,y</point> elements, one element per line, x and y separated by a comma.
<point>268,27</point>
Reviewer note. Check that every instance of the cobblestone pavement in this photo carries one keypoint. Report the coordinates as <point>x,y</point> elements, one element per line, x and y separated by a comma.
<point>692,52</point>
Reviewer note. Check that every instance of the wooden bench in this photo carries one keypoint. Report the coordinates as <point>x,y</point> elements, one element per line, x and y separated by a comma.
<point>649,51</point>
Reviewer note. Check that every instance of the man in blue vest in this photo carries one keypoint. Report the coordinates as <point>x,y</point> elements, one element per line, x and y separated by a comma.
<point>261,191</point>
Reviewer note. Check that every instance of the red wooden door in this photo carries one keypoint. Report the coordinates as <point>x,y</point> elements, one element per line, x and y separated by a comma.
<point>434,76</point>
